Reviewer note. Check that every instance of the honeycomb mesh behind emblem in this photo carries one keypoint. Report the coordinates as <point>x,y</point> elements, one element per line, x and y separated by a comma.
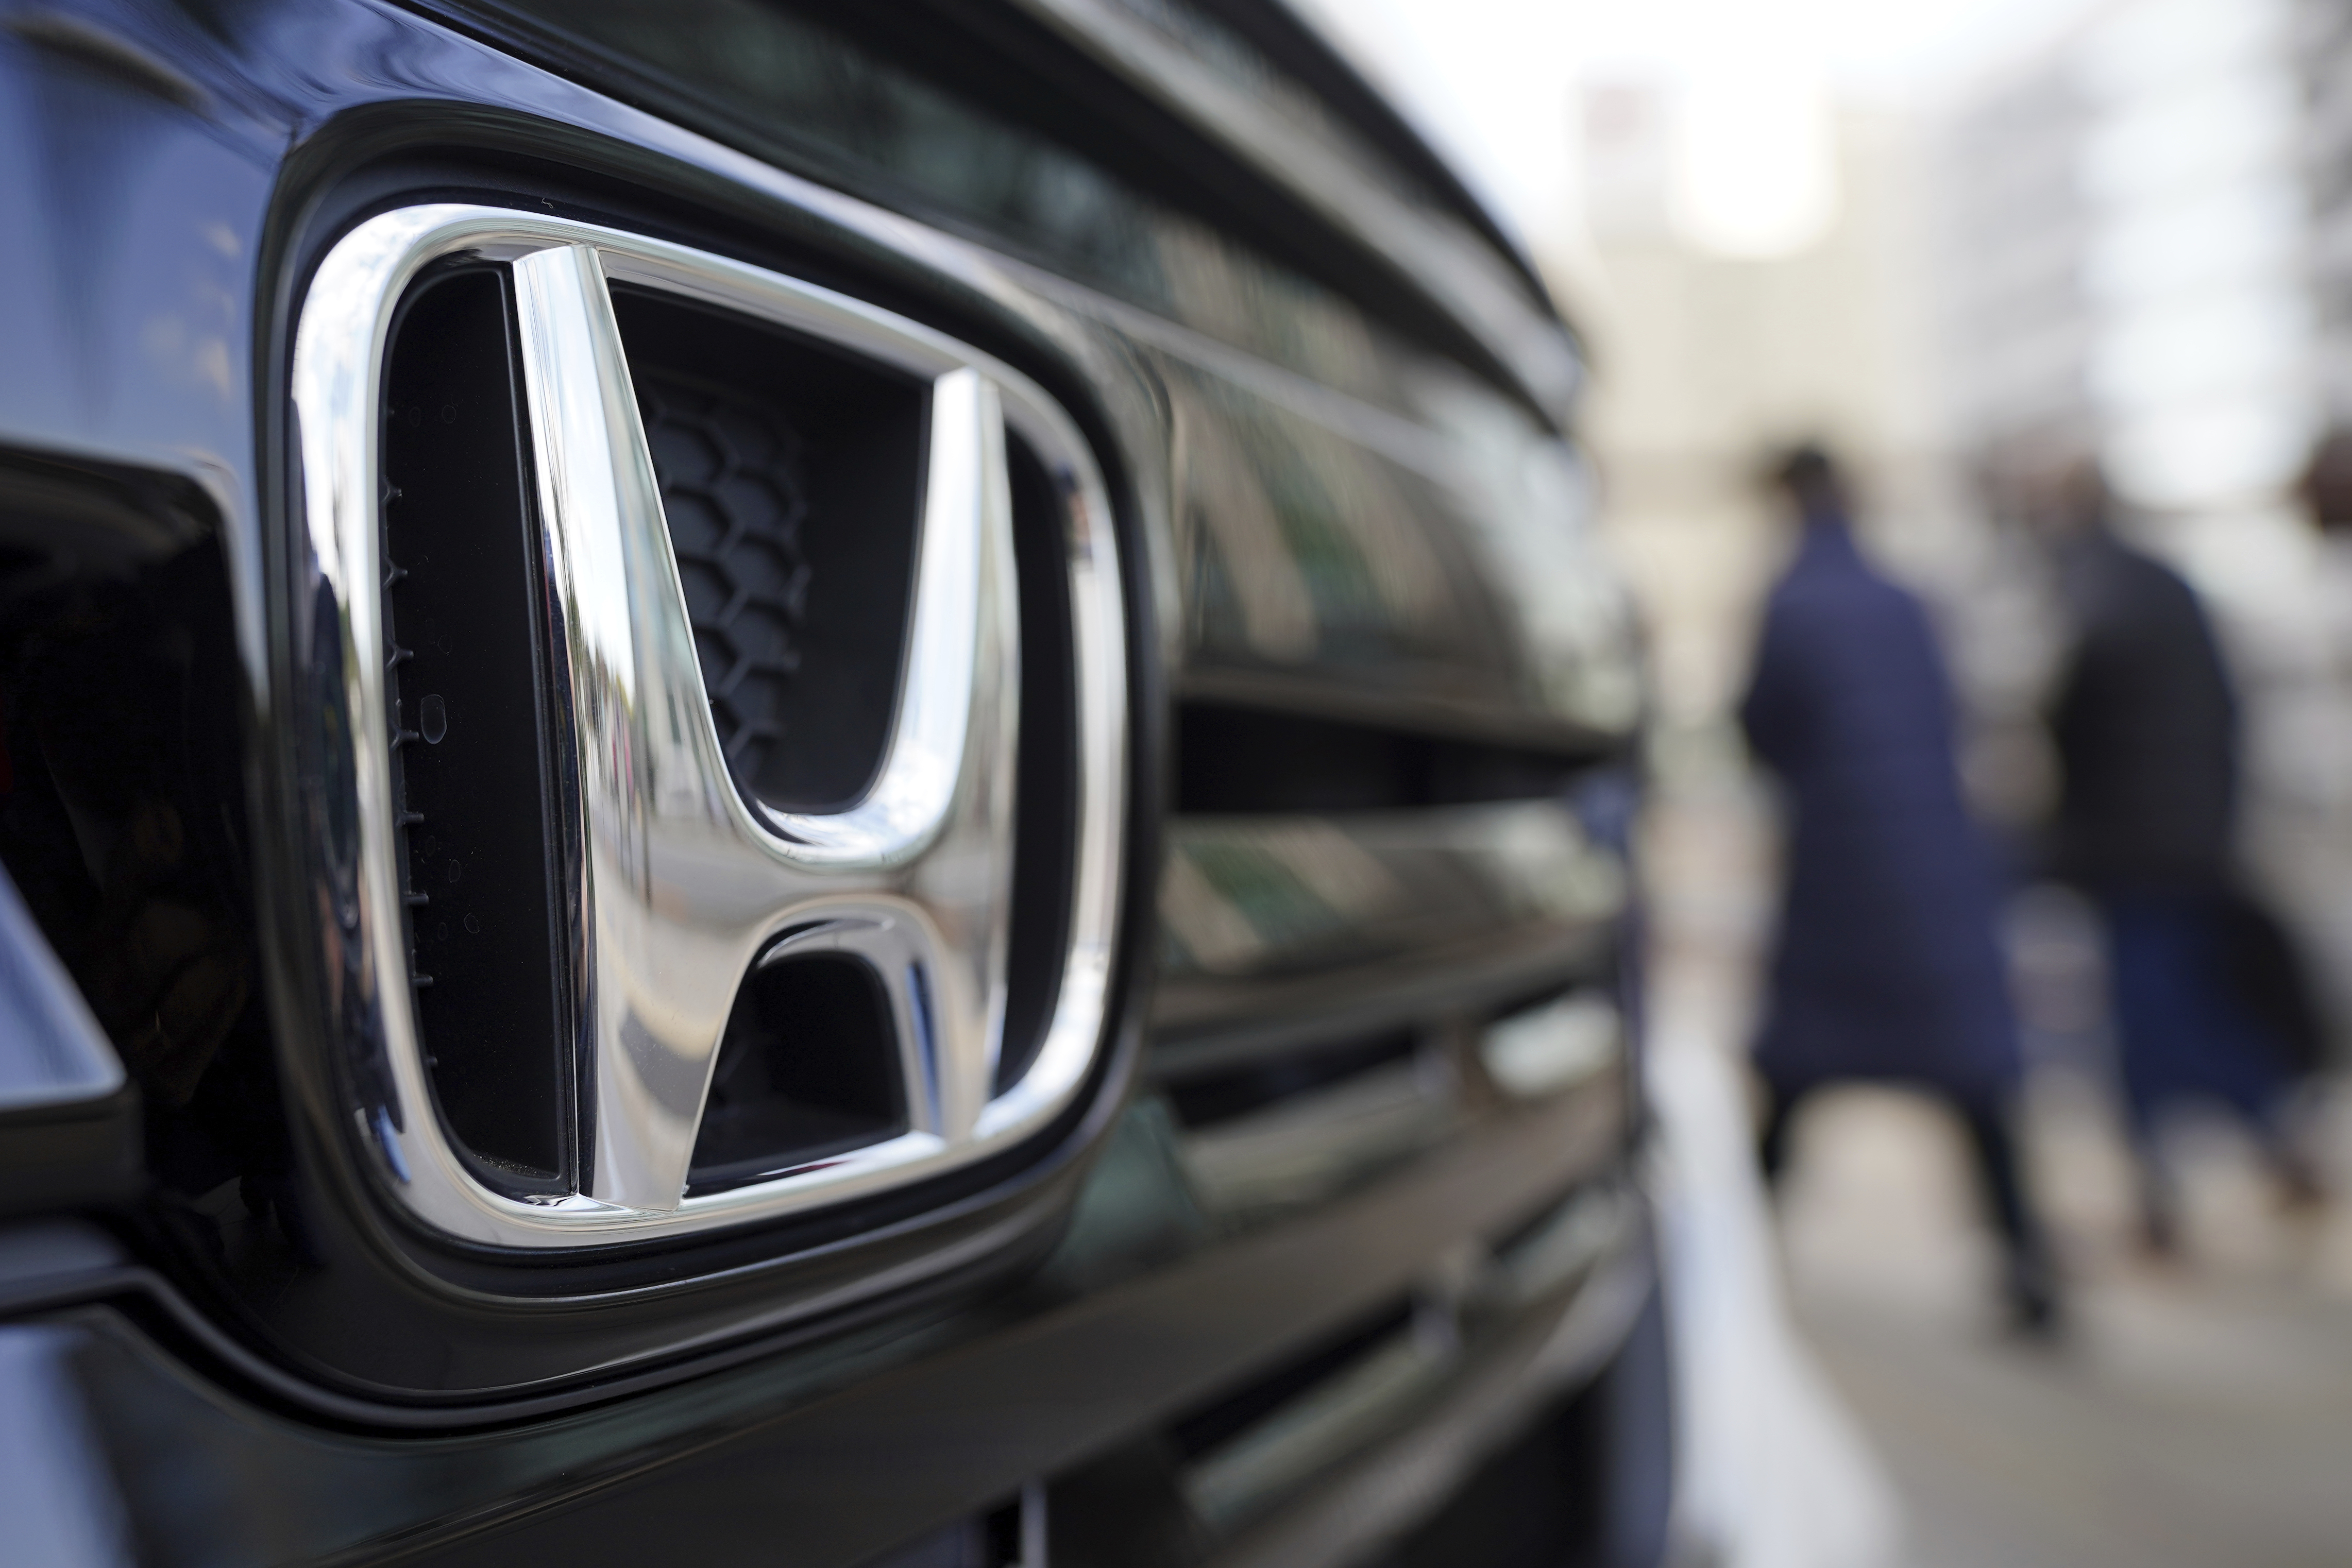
<point>731,475</point>
<point>793,477</point>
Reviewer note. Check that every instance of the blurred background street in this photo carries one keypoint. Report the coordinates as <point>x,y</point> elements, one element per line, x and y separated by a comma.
<point>2198,1413</point>
<point>1943,238</point>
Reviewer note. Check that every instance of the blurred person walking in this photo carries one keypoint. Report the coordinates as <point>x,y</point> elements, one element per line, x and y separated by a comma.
<point>1886,966</point>
<point>2325,492</point>
<point>2205,992</point>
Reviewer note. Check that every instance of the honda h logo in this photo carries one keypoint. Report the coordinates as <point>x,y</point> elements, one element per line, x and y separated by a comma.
<point>683,881</point>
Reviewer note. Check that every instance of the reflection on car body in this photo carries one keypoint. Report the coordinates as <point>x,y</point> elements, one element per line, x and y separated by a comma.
<point>834,788</point>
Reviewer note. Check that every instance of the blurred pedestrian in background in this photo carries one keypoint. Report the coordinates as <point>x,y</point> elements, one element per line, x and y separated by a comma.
<point>1886,966</point>
<point>2325,492</point>
<point>2206,994</point>
<point>2326,487</point>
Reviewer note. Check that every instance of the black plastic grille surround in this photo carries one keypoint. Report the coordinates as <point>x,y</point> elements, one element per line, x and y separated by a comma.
<point>478,824</point>
<point>123,826</point>
<point>732,474</point>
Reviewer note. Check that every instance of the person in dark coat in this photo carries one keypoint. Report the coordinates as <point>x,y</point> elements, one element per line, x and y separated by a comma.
<point>2144,725</point>
<point>1886,967</point>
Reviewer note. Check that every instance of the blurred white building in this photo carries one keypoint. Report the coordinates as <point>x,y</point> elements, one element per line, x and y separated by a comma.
<point>2123,247</point>
<point>2010,232</point>
<point>2142,243</point>
<point>2321,51</point>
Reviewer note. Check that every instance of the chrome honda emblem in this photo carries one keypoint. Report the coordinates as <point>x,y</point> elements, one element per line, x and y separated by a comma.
<point>683,882</point>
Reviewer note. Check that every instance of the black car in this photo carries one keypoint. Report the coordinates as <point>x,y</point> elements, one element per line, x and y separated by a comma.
<point>794,784</point>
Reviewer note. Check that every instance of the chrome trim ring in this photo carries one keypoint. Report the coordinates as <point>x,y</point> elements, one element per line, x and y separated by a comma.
<point>683,882</point>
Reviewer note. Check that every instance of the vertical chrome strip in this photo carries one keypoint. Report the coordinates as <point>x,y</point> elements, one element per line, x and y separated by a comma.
<point>1090,547</point>
<point>968,431</point>
<point>965,503</point>
<point>624,637</point>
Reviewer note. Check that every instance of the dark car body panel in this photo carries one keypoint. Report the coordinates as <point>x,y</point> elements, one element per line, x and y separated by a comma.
<point>1346,499</point>
<point>818,1472</point>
